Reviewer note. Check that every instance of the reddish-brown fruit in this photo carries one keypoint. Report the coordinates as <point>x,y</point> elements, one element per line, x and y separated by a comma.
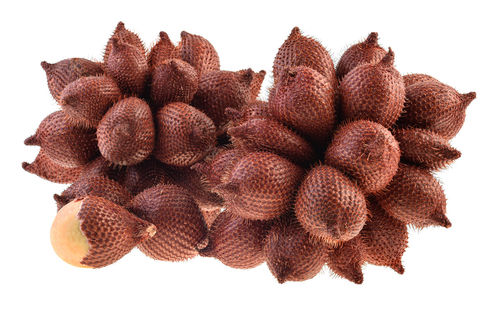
<point>98,186</point>
<point>66,71</point>
<point>415,78</point>
<point>94,232</point>
<point>128,66</point>
<point>256,84</point>
<point>126,36</point>
<point>366,52</point>
<point>66,144</point>
<point>329,206</point>
<point>144,175</point>
<point>261,186</point>
<point>217,170</point>
<point>425,148</point>
<point>251,110</point>
<point>373,92</point>
<point>161,51</point>
<point>87,99</point>
<point>101,167</point>
<point>198,52</point>
<point>47,169</point>
<point>365,151</point>
<point>300,90</point>
<point>179,222</point>
<point>384,239</point>
<point>184,135</point>
<point>435,106</point>
<point>291,253</point>
<point>272,136</point>
<point>415,197</point>
<point>235,241</point>
<point>346,260</point>
<point>210,216</point>
<point>173,81</point>
<point>299,50</point>
<point>126,133</point>
<point>219,90</point>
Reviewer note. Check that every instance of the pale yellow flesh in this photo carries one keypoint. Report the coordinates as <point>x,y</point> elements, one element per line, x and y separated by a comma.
<point>66,237</point>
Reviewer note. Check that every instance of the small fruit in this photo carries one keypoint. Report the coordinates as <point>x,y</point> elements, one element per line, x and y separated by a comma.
<point>198,52</point>
<point>44,167</point>
<point>346,260</point>
<point>161,51</point>
<point>123,34</point>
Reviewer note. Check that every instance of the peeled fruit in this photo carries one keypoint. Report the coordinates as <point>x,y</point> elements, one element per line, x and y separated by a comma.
<point>93,232</point>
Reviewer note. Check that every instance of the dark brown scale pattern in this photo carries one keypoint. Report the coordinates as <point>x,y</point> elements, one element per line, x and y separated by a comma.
<point>252,110</point>
<point>415,197</point>
<point>414,78</point>
<point>365,151</point>
<point>347,259</point>
<point>126,36</point>
<point>235,241</point>
<point>261,186</point>
<point>98,186</point>
<point>255,85</point>
<point>66,144</point>
<point>173,81</point>
<point>184,135</point>
<point>47,169</point>
<point>217,170</point>
<point>62,73</point>
<point>366,52</point>
<point>87,99</point>
<point>384,239</point>
<point>101,167</point>
<point>329,206</point>
<point>126,133</point>
<point>111,231</point>
<point>291,253</point>
<point>210,216</point>
<point>144,175</point>
<point>198,52</point>
<point>179,222</point>
<point>161,51</point>
<point>425,148</point>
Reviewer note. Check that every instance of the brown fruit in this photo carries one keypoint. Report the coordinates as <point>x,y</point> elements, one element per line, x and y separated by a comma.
<point>299,90</point>
<point>66,144</point>
<point>299,50</point>
<point>373,92</point>
<point>47,169</point>
<point>425,148</point>
<point>235,241</point>
<point>261,186</point>
<point>93,232</point>
<point>184,135</point>
<point>98,186</point>
<point>415,78</point>
<point>87,99</point>
<point>161,51</point>
<point>291,253</point>
<point>251,110</point>
<point>219,90</point>
<point>346,260</point>
<point>365,151</point>
<point>198,52</point>
<point>126,36</point>
<point>210,216</point>
<point>435,106</point>
<point>366,52</point>
<point>128,66</point>
<point>217,169</point>
<point>256,84</point>
<point>173,81</point>
<point>272,136</point>
<point>415,197</point>
<point>384,239</point>
<point>179,222</point>
<point>101,167</point>
<point>329,206</point>
<point>144,175</point>
<point>126,133</point>
<point>62,73</point>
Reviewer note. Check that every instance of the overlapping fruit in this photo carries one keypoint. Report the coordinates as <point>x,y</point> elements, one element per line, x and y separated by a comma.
<point>331,169</point>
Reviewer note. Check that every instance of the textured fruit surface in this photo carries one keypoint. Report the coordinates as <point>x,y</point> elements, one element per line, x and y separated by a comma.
<point>425,148</point>
<point>329,206</point>
<point>291,254</point>
<point>346,260</point>
<point>217,169</point>
<point>144,175</point>
<point>184,135</point>
<point>384,239</point>
<point>261,186</point>
<point>101,167</point>
<point>252,110</point>
<point>361,53</point>
<point>255,85</point>
<point>415,197</point>
<point>65,143</point>
<point>179,222</point>
<point>161,51</point>
<point>373,92</point>
<point>198,52</point>
<point>126,133</point>
<point>173,81</point>
<point>365,151</point>
<point>123,34</point>
<point>415,78</point>
<point>235,241</point>
<point>435,106</point>
<point>45,168</point>
<point>304,100</point>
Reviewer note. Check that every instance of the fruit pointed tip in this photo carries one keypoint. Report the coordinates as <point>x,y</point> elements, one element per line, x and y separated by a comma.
<point>388,59</point>
<point>46,66</point>
<point>26,166</point>
<point>441,220</point>
<point>185,34</point>
<point>372,38</point>
<point>357,277</point>
<point>398,267</point>
<point>32,141</point>
<point>468,98</point>
<point>246,76</point>
<point>120,25</point>
<point>295,32</point>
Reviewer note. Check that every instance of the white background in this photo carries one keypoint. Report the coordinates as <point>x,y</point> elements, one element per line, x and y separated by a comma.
<point>445,268</point>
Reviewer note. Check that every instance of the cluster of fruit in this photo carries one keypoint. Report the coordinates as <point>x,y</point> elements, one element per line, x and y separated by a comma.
<point>168,153</point>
